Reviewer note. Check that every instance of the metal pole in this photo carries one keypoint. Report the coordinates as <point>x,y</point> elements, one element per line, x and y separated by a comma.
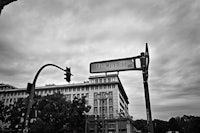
<point>27,115</point>
<point>146,91</point>
<point>31,96</point>
<point>86,125</point>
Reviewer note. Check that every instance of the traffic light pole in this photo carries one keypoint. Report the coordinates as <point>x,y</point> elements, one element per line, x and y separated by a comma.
<point>31,96</point>
<point>144,64</point>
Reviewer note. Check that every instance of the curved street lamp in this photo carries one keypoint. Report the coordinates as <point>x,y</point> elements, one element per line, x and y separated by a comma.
<point>31,91</point>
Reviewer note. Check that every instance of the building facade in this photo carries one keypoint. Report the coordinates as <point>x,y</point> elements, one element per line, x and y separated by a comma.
<point>104,93</point>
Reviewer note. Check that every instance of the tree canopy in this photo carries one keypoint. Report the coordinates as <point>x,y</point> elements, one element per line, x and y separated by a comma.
<point>50,114</point>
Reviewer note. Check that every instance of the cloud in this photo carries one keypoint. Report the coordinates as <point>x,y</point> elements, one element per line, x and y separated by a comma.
<point>75,33</point>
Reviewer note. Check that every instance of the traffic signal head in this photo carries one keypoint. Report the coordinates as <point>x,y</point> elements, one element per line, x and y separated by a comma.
<point>68,74</point>
<point>29,86</point>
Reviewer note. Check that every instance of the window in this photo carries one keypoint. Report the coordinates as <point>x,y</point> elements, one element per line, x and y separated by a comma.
<point>104,80</point>
<point>100,80</point>
<point>113,79</point>
<point>104,110</point>
<point>111,109</point>
<point>100,110</point>
<point>87,95</point>
<point>95,110</point>
<point>74,89</point>
<point>96,87</point>
<point>110,93</point>
<point>82,89</point>
<point>113,86</point>
<point>95,103</point>
<point>103,102</point>
<point>68,97</point>
<point>121,98</point>
<point>109,79</point>
<point>100,87</point>
<point>103,94</point>
<point>95,95</point>
<point>82,95</point>
<point>122,106</point>
<point>78,95</point>
<point>110,101</point>
<point>92,87</point>
<point>87,88</point>
<point>111,115</point>
<point>78,89</point>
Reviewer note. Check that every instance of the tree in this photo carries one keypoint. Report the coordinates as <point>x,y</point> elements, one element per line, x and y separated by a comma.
<point>51,111</point>
<point>4,3</point>
<point>160,126</point>
<point>49,114</point>
<point>173,125</point>
<point>141,125</point>
<point>15,114</point>
<point>54,113</point>
<point>3,114</point>
<point>77,112</point>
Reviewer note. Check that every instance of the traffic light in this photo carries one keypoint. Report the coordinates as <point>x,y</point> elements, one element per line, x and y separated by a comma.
<point>29,86</point>
<point>68,74</point>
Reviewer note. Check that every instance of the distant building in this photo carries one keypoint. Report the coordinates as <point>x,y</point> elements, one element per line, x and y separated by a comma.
<point>104,93</point>
<point>6,87</point>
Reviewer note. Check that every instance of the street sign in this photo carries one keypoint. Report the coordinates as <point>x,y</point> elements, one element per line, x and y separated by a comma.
<point>129,64</point>
<point>114,65</point>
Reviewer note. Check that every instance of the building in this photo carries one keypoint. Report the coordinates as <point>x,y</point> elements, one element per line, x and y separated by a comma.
<point>104,93</point>
<point>6,87</point>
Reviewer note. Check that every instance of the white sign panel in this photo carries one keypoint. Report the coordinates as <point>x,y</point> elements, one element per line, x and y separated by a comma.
<point>113,65</point>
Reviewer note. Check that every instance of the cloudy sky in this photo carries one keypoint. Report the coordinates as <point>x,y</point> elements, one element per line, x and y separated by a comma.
<point>75,33</point>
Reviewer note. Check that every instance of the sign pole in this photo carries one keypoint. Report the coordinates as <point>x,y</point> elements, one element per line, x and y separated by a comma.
<point>144,64</point>
<point>127,64</point>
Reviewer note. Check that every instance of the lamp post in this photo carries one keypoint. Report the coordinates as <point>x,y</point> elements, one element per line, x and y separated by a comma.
<point>31,91</point>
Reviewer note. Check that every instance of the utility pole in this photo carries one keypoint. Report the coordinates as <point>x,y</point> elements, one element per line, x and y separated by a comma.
<point>144,65</point>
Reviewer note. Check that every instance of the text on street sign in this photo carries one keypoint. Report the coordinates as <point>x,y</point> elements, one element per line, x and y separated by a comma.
<point>113,65</point>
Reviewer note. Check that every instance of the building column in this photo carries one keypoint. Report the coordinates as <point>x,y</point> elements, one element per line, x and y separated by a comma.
<point>117,126</point>
<point>128,126</point>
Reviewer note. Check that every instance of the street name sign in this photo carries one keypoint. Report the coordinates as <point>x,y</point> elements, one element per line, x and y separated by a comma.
<point>114,65</point>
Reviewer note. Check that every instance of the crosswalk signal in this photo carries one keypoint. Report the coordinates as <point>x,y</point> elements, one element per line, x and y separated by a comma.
<point>68,74</point>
